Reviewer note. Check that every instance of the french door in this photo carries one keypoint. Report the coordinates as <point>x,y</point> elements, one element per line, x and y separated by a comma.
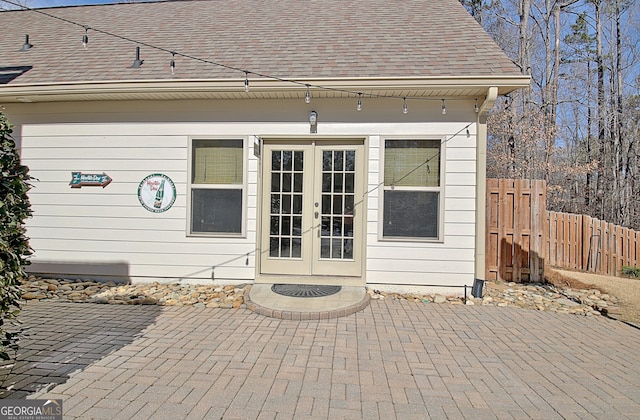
<point>312,208</point>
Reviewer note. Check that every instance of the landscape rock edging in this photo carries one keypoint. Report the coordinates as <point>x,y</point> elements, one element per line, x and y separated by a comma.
<point>542,297</point>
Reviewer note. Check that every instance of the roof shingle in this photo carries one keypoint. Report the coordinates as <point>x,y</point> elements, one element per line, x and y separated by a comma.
<point>291,39</point>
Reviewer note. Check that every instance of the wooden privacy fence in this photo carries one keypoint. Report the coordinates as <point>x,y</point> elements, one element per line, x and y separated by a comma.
<point>522,235</point>
<point>515,217</point>
<point>584,243</point>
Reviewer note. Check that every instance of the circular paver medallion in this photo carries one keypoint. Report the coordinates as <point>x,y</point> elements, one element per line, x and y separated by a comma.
<point>305,290</point>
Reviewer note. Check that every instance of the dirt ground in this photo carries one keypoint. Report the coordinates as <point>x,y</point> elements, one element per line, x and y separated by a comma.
<point>627,290</point>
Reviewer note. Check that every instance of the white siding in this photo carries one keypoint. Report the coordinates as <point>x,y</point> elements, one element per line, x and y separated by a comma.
<point>95,231</point>
<point>414,263</point>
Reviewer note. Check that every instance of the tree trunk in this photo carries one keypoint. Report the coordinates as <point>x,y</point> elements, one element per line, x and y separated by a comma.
<point>601,115</point>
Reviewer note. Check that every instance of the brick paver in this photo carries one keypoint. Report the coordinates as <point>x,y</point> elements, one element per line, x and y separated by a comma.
<point>395,359</point>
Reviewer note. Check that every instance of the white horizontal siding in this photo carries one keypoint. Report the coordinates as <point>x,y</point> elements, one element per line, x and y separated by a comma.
<point>98,231</point>
<point>96,164</point>
<point>449,262</point>
<point>421,266</point>
<point>107,153</point>
<point>430,280</point>
<point>195,246</point>
<point>91,229</point>
<point>123,223</point>
<point>439,253</point>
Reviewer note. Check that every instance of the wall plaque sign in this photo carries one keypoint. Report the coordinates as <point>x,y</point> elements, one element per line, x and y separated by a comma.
<point>157,193</point>
<point>79,180</point>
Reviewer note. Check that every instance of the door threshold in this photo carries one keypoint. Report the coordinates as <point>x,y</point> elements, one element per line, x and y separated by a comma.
<point>323,280</point>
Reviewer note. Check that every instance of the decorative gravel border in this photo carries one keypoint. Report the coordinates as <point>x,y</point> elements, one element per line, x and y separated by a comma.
<point>304,316</point>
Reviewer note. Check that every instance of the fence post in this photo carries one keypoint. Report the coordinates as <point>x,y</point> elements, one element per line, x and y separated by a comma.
<point>537,255</point>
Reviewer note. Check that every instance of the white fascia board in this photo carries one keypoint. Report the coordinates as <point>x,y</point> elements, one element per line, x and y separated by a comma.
<point>322,87</point>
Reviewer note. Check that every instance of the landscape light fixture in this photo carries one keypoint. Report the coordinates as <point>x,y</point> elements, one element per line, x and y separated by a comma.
<point>26,46</point>
<point>137,62</point>
<point>313,122</point>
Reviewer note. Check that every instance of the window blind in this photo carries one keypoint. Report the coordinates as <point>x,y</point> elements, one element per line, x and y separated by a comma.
<point>217,162</point>
<point>412,163</point>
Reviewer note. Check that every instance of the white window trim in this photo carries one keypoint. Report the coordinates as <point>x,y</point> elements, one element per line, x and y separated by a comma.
<point>245,175</point>
<point>440,189</point>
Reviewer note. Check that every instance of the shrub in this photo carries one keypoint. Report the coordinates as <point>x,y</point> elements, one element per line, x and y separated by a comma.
<point>14,245</point>
<point>631,271</point>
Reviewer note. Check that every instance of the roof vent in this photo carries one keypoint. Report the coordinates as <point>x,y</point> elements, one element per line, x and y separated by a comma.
<point>137,62</point>
<point>26,46</point>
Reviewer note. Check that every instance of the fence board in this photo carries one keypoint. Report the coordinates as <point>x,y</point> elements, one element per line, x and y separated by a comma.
<point>515,230</point>
<point>522,236</point>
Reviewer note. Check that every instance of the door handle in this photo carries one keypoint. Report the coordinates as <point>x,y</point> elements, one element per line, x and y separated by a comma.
<point>316,214</point>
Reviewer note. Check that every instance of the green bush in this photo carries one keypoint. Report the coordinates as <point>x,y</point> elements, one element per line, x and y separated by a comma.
<point>14,245</point>
<point>631,271</point>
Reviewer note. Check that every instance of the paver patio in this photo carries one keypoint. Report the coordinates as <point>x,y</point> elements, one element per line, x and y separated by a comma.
<point>395,359</point>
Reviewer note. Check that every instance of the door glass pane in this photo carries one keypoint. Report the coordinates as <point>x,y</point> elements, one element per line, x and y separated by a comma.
<point>337,182</point>
<point>274,248</point>
<point>349,183</point>
<point>285,230</point>
<point>298,161</point>
<point>325,248</point>
<point>337,204</point>
<point>287,161</point>
<point>326,203</point>
<point>297,183</point>
<point>296,247</point>
<point>336,248</point>
<point>326,226</point>
<point>338,161</point>
<point>286,203</point>
<point>286,226</point>
<point>297,204</point>
<point>326,161</point>
<point>350,161</point>
<point>275,182</point>
<point>276,158</point>
<point>337,226</point>
<point>297,226</point>
<point>348,227</point>
<point>348,248</point>
<point>275,225</point>
<point>275,203</point>
<point>285,247</point>
<point>338,200</point>
<point>286,182</point>
<point>326,182</point>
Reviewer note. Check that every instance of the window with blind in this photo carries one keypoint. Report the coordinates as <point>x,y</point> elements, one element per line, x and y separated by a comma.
<point>217,186</point>
<point>412,189</point>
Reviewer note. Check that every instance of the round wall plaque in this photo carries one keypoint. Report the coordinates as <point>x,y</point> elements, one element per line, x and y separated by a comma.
<point>157,193</point>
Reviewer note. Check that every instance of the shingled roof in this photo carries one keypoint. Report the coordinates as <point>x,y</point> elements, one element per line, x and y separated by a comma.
<point>327,40</point>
